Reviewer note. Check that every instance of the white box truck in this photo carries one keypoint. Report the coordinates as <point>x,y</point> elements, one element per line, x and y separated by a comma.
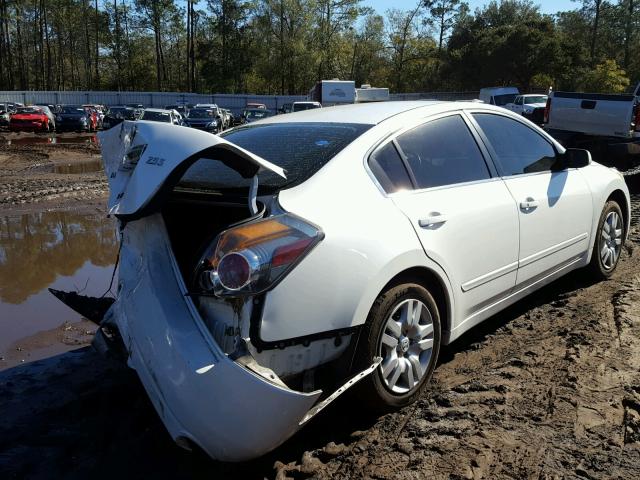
<point>333,92</point>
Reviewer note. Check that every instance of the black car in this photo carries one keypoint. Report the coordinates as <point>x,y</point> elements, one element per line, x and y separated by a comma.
<point>73,117</point>
<point>203,119</point>
<point>116,115</point>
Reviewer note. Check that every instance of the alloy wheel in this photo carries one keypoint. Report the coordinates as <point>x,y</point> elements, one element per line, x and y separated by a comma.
<point>406,346</point>
<point>611,240</point>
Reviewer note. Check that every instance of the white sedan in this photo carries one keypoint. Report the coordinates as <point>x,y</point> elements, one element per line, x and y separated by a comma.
<point>266,270</point>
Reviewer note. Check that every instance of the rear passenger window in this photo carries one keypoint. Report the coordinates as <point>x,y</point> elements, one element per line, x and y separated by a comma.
<point>443,152</point>
<point>518,148</point>
<point>389,170</point>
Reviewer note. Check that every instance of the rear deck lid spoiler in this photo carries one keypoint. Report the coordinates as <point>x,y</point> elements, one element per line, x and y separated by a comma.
<point>144,160</point>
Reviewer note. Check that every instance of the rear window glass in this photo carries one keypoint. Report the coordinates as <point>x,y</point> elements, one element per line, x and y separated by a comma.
<point>389,170</point>
<point>301,149</point>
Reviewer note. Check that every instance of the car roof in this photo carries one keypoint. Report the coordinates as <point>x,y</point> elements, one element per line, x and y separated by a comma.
<point>367,113</point>
<point>159,110</point>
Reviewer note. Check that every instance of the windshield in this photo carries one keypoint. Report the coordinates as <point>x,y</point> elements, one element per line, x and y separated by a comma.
<point>200,113</point>
<point>298,107</point>
<point>299,148</point>
<point>501,100</point>
<point>74,110</point>
<point>257,114</point>
<point>29,110</point>
<point>538,99</point>
<point>156,116</point>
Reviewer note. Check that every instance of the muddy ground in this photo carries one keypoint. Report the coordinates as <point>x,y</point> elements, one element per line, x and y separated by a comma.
<point>548,389</point>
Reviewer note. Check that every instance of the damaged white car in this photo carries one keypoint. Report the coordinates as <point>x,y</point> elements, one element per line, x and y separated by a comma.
<point>266,270</point>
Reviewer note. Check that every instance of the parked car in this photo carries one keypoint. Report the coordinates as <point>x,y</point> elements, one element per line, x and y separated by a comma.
<point>217,112</point>
<point>161,115</point>
<point>300,106</point>
<point>499,96</point>
<point>115,115</point>
<point>530,106</point>
<point>285,108</point>
<point>6,109</point>
<point>181,108</point>
<point>606,124</point>
<point>256,260</point>
<point>203,119</point>
<point>32,119</point>
<point>48,110</point>
<point>99,109</point>
<point>254,114</point>
<point>231,118</point>
<point>74,117</point>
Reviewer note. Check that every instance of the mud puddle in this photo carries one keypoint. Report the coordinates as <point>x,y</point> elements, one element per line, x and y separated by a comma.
<point>88,166</point>
<point>62,250</point>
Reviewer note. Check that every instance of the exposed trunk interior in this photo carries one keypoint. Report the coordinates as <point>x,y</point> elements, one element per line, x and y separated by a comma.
<point>193,220</point>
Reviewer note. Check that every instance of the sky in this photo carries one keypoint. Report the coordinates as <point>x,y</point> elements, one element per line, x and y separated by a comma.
<point>547,6</point>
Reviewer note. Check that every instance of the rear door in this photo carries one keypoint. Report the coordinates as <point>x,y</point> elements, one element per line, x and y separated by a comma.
<point>464,215</point>
<point>555,207</point>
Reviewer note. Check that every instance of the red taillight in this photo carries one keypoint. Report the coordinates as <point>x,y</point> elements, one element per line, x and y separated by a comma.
<point>636,117</point>
<point>253,257</point>
<point>547,110</point>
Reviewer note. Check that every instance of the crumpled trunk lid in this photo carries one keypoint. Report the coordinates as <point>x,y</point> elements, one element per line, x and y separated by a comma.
<point>144,160</point>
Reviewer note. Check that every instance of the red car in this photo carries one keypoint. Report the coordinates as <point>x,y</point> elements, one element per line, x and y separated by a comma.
<point>94,118</point>
<point>29,119</point>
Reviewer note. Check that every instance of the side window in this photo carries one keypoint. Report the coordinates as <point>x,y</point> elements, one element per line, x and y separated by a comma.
<point>443,152</point>
<point>519,148</point>
<point>389,170</point>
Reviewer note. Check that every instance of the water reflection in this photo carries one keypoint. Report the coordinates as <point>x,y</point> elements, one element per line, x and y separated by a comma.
<point>88,166</point>
<point>36,248</point>
<point>62,250</point>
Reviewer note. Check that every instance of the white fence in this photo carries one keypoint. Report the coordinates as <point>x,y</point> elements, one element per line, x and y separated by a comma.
<point>235,103</point>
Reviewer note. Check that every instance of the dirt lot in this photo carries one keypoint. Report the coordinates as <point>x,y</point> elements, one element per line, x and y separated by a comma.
<point>36,173</point>
<point>548,389</point>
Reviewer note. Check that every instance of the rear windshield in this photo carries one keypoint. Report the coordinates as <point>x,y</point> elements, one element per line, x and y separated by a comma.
<point>301,149</point>
<point>502,100</point>
<point>156,116</point>
<point>532,100</point>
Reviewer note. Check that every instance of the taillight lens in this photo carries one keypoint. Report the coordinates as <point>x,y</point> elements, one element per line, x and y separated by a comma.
<point>252,258</point>
<point>131,158</point>
<point>637,117</point>
<point>547,110</point>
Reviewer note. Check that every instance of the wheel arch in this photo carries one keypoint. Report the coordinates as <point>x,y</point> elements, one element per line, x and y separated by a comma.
<point>621,199</point>
<point>436,286</point>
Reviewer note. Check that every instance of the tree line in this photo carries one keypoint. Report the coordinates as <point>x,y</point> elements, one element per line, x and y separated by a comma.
<point>285,46</point>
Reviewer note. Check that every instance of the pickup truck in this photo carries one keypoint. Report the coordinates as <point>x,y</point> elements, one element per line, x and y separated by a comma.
<point>530,106</point>
<point>606,124</point>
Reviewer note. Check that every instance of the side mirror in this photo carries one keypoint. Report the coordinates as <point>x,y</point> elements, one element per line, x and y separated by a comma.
<point>575,158</point>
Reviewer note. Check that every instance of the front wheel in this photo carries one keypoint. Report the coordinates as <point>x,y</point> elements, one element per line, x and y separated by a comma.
<point>608,243</point>
<point>403,328</point>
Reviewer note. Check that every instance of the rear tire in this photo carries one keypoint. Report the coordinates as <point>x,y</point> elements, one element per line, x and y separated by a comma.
<point>607,247</point>
<point>403,327</point>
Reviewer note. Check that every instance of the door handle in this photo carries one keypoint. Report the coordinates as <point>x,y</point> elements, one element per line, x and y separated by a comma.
<point>433,219</point>
<point>529,204</point>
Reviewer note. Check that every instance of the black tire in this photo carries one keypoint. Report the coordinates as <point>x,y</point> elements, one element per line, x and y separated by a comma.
<point>597,265</point>
<point>372,390</point>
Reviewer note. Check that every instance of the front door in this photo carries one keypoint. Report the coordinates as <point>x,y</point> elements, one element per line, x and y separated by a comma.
<point>555,207</point>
